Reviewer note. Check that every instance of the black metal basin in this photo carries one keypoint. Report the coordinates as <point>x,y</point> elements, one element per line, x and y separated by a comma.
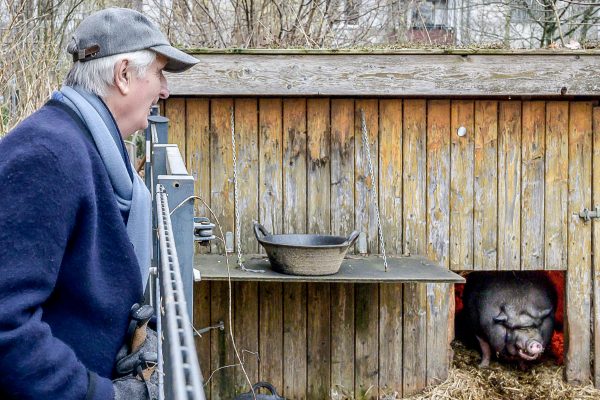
<point>303,254</point>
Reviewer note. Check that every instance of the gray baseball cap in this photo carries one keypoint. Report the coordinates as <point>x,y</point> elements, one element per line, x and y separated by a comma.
<point>122,30</point>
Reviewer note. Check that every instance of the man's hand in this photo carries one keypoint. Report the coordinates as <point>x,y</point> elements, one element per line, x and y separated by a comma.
<point>136,361</point>
<point>133,388</point>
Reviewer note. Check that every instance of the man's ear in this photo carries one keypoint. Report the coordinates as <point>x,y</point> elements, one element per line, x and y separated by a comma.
<point>122,76</point>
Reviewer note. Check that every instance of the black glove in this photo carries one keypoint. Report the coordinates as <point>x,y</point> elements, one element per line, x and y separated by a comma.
<point>131,387</point>
<point>136,361</point>
<point>129,363</point>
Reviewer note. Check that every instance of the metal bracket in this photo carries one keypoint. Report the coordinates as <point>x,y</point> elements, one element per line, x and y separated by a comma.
<point>220,326</point>
<point>203,230</point>
<point>229,242</point>
<point>589,214</point>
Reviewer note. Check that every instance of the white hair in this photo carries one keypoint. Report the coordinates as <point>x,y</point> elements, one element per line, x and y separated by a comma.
<point>97,76</point>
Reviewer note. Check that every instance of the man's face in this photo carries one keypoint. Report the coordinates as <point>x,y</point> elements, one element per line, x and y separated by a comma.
<point>147,90</point>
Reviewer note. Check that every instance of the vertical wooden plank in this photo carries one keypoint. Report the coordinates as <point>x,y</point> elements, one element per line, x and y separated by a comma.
<point>342,166</point>
<point>221,167</point>
<point>222,354</point>
<point>319,215</point>
<point>246,138</point>
<point>175,111</point>
<point>390,340</point>
<point>342,222</point>
<point>364,215</point>
<point>271,216</point>
<point>294,221</point>
<point>461,186</point>
<point>270,194</point>
<point>366,297</point>
<point>270,333</point>
<point>294,165</point>
<point>439,299</point>
<point>414,338</point>
<point>162,107</point>
<point>438,229</point>
<point>390,173</point>
<point>556,184</point>
<point>578,286</point>
<point>414,176</point>
<point>415,242</point>
<point>366,341</point>
<point>342,347</point>
<point>532,211</point>
<point>390,200</point>
<point>200,320</point>
<point>318,342</point>
<point>438,181</point>
<point>197,138</point>
<point>245,297</point>
<point>486,186</point>
<point>596,242</point>
<point>318,178</point>
<point>509,185</point>
<point>294,340</point>
<point>198,164</point>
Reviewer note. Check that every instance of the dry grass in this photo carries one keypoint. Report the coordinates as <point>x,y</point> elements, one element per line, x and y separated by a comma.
<point>503,381</point>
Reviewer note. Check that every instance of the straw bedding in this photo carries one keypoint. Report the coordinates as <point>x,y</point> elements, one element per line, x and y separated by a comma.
<point>501,381</point>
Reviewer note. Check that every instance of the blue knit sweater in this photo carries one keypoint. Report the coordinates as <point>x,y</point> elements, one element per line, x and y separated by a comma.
<point>68,272</point>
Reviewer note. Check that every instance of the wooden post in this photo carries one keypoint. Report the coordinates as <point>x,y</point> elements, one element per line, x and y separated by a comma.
<point>294,221</point>
<point>485,254</point>
<point>342,222</point>
<point>245,299</point>
<point>414,237</point>
<point>509,185</point>
<point>578,293</point>
<point>390,201</point>
<point>175,111</point>
<point>197,139</point>
<point>319,211</point>
<point>439,323</point>
<point>532,187</point>
<point>556,185</point>
<point>246,138</point>
<point>222,355</point>
<point>271,216</point>
<point>461,185</point>
<point>221,168</point>
<point>596,242</point>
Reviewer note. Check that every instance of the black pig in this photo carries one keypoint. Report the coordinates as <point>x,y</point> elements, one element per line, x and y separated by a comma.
<point>510,313</point>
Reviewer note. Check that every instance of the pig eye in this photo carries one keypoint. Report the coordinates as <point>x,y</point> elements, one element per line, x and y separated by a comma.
<point>500,318</point>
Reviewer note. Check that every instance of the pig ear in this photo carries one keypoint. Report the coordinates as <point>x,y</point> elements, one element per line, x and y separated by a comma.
<point>544,313</point>
<point>500,318</point>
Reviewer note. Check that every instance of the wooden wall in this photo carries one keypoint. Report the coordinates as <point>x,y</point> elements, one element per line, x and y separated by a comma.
<point>504,196</point>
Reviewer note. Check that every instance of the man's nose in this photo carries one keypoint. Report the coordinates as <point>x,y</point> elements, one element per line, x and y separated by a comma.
<point>164,92</point>
<point>164,89</point>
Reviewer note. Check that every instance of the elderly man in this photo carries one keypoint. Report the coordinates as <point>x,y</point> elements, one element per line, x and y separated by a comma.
<point>75,218</point>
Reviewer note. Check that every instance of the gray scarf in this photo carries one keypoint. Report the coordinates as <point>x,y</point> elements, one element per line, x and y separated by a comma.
<point>131,195</point>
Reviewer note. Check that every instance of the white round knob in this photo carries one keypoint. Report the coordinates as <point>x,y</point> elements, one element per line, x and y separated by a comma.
<point>462,131</point>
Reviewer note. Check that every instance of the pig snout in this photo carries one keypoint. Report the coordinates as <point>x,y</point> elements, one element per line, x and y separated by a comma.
<point>533,350</point>
<point>535,347</point>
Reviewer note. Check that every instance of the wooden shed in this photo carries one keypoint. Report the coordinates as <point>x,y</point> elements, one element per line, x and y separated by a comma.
<point>482,161</point>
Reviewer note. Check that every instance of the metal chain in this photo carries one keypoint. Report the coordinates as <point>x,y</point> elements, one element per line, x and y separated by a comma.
<point>365,138</point>
<point>236,202</point>
<point>235,193</point>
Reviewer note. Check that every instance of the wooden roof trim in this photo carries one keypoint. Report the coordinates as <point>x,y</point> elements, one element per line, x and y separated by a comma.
<point>540,73</point>
<point>379,51</point>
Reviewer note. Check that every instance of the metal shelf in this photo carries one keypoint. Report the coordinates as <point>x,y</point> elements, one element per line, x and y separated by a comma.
<point>354,269</point>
